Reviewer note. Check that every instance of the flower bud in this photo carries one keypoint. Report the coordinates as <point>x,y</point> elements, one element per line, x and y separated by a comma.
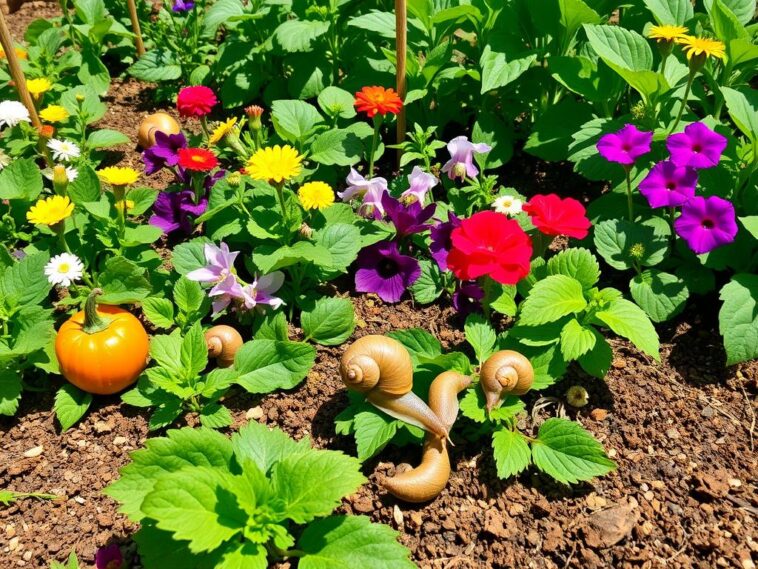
<point>306,231</point>
<point>254,112</point>
<point>637,251</point>
<point>46,131</point>
<point>79,98</point>
<point>577,396</point>
<point>60,180</point>
<point>234,179</point>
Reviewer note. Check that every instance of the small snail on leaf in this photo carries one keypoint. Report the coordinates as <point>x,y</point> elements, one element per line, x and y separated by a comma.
<point>223,342</point>
<point>381,368</point>
<point>157,122</point>
<point>505,373</point>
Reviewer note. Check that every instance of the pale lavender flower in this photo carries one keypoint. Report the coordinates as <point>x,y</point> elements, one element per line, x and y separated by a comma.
<point>372,191</point>
<point>262,289</point>
<point>220,264</point>
<point>461,163</point>
<point>421,184</point>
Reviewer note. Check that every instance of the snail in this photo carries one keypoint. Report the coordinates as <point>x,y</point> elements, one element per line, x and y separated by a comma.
<point>158,122</point>
<point>505,372</point>
<point>223,342</point>
<point>381,368</point>
<point>429,478</point>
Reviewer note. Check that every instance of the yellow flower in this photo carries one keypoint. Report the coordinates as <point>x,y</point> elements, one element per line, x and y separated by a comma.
<point>118,176</point>
<point>53,113</point>
<point>50,211</point>
<point>20,53</point>
<point>120,204</point>
<point>222,130</point>
<point>707,47</point>
<point>667,33</point>
<point>316,195</point>
<point>38,86</point>
<point>277,164</point>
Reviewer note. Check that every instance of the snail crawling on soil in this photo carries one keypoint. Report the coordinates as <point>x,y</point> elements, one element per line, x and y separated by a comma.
<point>223,342</point>
<point>157,122</point>
<point>505,373</point>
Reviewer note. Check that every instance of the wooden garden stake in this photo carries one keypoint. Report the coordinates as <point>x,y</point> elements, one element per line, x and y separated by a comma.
<point>18,76</point>
<point>401,50</point>
<point>135,28</point>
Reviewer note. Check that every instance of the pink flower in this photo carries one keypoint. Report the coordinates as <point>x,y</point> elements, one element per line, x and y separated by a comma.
<point>196,101</point>
<point>461,163</point>
<point>421,184</point>
<point>625,146</point>
<point>669,185</point>
<point>262,290</point>
<point>372,191</point>
<point>697,147</point>
<point>706,223</point>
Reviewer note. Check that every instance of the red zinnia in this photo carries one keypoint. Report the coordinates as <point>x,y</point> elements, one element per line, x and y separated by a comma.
<point>197,159</point>
<point>378,100</point>
<point>555,216</point>
<point>195,101</point>
<point>488,243</point>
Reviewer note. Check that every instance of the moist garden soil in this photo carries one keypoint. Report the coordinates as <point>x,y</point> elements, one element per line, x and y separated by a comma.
<point>681,431</point>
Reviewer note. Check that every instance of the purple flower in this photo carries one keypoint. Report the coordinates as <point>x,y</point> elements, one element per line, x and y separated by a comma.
<point>225,291</point>
<point>262,290</point>
<point>669,185</point>
<point>421,183</point>
<point>183,5</point>
<point>441,241</point>
<point>407,219</point>
<point>697,147</point>
<point>172,211</point>
<point>165,152</point>
<point>372,191</point>
<point>461,163</point>
<point>468,298</point>
<point>109,557</point>
<point>382,269</point>
<point>220,264</point>
<point>706,223</point>
<point>625,146</point>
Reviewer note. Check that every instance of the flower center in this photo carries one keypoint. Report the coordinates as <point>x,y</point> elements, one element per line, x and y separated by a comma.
<point>625,147</point>
<point>697,148</point>
<point>64,268</point>
<point>197,158</point>
<point>708,224</point>
<point>387,268</point>
<point>670,186</point>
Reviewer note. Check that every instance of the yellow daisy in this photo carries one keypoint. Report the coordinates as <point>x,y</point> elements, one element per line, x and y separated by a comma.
<point>667,33</point>
<point>277,164</point>
<point>118,176</point>
<point>316,195</point>
<point>706,47</point>
<point>38,87</point>
<point>50,211</point>
<point>53,113</point>
<point>222,130</point>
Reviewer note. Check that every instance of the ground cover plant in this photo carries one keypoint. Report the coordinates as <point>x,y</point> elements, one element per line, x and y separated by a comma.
<point>475,236</point>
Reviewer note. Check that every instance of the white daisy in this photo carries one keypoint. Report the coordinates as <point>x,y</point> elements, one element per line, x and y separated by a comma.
<point>64,269</point>
<point>508,205</point>
<point>63,149</point>
<point>71,173</point>
<point>12,113</point>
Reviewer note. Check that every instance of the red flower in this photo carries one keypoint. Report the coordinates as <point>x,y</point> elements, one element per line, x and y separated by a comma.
<point>377,100</point>
<point>195,101</point>
<point>197,159</point>
<point>488,243</point>
<point>555,216</point>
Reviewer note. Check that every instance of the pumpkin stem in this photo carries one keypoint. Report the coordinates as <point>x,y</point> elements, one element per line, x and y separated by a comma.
<point>92,321</point>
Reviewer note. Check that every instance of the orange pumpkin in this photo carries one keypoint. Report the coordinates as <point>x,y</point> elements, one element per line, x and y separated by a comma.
<point>102,349</point>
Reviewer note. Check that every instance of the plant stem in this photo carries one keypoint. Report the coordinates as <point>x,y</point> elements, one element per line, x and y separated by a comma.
<point>684,101</point>
<point>60,229</point>
<point>374,142</point>
<point>204,125</point>
<point>280,194</point>
<point>672,217</point>
<point>93,323</point>
<point>119,193</point>
<point>629,202</point>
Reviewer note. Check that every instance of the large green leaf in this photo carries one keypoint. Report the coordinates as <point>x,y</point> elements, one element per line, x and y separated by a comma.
<point>266,365</point>
<point>743,109</point>
<point>71,403</point>
<point>21,180</point>
<point>673,12</point>
<point>577,263</point>
<point>628,320</point>
<point>299,35</point>
<point>511,453</point>
<point>738,318</point>
<point>156,65</point>
<point>552,298</point>
<point>294,120</point>
<point>330,322</point>
<point>661,295</point>
<point>497,72</point>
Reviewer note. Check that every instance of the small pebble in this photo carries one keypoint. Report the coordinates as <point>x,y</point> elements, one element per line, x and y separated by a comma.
<point>35,451</point>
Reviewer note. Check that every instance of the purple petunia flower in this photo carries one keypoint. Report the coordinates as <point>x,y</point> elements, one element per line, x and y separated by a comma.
<point>172,211</point>
<point>625,146</point>
<point>262,290</point>
<point>441,241</point>
<point>669,185</point>
<point>407,219</point>
<point>461,163</point>
<point>109,557</point>
<point>706,223</point>
<point>165,152</point>
<point>372,191</point>
<point>383,270</point>
<point>421,184</point>
<point>183,5</point>
<point>697,147</point>
<point>468,298</point>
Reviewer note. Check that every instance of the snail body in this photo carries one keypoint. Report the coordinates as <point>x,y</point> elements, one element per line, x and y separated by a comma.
<point>223,342</point>
<point>157,122</point>
<point>381,368</point>
<point>505,372</point>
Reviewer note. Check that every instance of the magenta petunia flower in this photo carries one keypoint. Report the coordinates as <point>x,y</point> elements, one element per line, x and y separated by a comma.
<point>372,191</point>
<point>461,163</point>
<point>441,235</point>
<point>407,219</point>
<point>421,184</point>
<point>383,270</point>
<point>109,557</point>
<point>706,223</point>
<point>669,185</point>
<point>697,147</point>
<point>625,145</point>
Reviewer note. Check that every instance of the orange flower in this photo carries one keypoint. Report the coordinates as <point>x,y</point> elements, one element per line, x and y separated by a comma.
<point>378,100</point>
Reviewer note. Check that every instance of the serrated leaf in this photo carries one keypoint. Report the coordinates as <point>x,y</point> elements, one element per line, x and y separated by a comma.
<point>429,285</point>
<point>511,453</point>
<point>373,431</point>
<point>266,365</point>
<point>628,320</point>
<point>159,311</point>
<point>10,391</point>
<point>552,298</point>
<point>497,72</point>
<point>189,256</point>
<point>480,335</point>
<point>473,406</point>
<point>330,322</point>
<point>576,340</point>
<point>420,343</point>
<point>24,282</point>
<point>661,295</point>
<point>71,403</point>
<point>299,35</point>
<point>673,12</point>
<point>215,416</point>
<point>598,360</point>
<point>577,263</point>
<point>193,354</point>
<point>265,446</point>
<point>294,120</point>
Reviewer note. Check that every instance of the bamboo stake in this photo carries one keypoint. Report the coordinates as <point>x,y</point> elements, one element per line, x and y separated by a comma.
<point>401,51</point>
<point>15,68</point>
<point>135,27</point>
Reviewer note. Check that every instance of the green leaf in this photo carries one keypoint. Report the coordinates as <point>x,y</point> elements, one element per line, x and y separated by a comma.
<point>190,298</point>
<point>743,109</point>
<point>215,416</point>
<point>21,180</point>
<point>294,120</point>
<point>564,18</point>
<point>504,301</point>
<point>10,391</point>
<point>577,263</point>
<point>497,72</point>
<point>673,12</point>
<point>743,10</point>
<point>86,187</point>
<point>598,360</point>
<point>511,453</point>
<point>738,318</point>
<point>293,478</point>
<point>621,242</point>
<point>24,282</point>
<point>266,365</point>
<point>299,35</point>
<point>349,542</point>
<point>271,257</point>
<point>123,281</point>
<point>628,320</point>
<point>166,350</point>
<point>156,65</point>
<point>429,285</point>
<point>480,335</point>
<point>420,343</point>
<point>373,431</point>
<point>552,298</point>
<point>473,406</point>
<point>568,453</point>
<point>337,102</point>
<point>159,311</point>
<point>193,354</point>
<point>105,138</point>
<point>382,23</point>
<point>271,326</point>
<point>221,12</point>
<point>71,403</point>
<point>553,132</point>
<point>661,295</point>
<point>576,340</point>
<point>330,322</point>
<point>620,47</point>
<point>265,446</point>
<point>337,147</point>
<point>343,242</point>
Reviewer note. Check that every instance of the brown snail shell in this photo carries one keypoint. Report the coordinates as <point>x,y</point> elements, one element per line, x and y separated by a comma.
<point>505,372</point>
<point>374,359</point>
<point>156,122</point>
<point>223,342</point>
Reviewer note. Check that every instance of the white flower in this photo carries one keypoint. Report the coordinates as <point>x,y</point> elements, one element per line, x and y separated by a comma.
<point>64,269</point>
<point>71,173</point>
<point>63,149</point>
<point>508,205</point>
<point>12,113</point>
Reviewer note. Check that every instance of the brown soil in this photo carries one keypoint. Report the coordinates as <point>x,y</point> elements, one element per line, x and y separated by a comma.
<point>684,494</point>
